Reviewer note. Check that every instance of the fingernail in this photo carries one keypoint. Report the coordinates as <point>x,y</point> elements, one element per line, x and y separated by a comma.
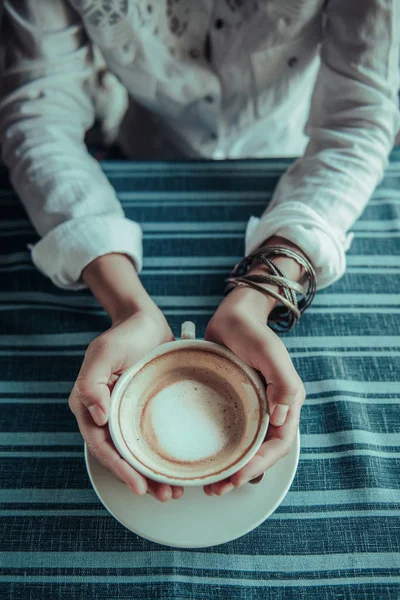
<point>140,491</point>
<point>280,413</point>
<point>98,415</point>
<point>138,488</point>
<point>227,489</point>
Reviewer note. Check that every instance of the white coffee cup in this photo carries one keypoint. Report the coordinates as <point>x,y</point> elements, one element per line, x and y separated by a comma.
<point>190,413</point>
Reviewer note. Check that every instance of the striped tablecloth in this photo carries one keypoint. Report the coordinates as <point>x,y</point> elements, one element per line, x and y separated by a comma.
<point>337,534</point>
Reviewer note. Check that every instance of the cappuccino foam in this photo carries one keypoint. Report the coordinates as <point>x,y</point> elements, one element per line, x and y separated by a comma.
<point>186,414</point>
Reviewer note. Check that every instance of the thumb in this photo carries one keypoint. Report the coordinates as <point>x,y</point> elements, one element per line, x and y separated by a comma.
<point>280,401</point>
<point>284,386</point>
<point>91,387</point>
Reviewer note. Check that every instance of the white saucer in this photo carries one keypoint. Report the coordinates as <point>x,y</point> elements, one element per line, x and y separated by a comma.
<point>196,520</point>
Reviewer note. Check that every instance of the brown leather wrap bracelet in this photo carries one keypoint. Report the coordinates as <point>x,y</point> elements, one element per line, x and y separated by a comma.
<point>289,310</point>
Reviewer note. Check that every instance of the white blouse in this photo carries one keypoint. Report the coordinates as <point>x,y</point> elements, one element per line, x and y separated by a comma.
<point>221,79</point>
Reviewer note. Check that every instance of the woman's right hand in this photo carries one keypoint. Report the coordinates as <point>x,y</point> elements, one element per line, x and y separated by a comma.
<point>106,358</point>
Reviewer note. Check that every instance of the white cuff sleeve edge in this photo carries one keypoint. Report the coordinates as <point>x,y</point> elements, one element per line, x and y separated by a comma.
<point>324,246</point>
<point>66,250</point>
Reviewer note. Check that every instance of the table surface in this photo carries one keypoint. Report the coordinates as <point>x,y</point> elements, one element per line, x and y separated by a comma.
<point>336,535</point>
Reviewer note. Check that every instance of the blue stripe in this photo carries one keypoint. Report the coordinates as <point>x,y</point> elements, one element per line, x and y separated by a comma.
<point>84,338</point>
<point>59,496</point>
<point>364,225</point>
<point>353,436</point>
<point>36,387</point>
<point>196,580</point>
<point>33,306</point>
<point>222,232</point>
<point>343,300</point>
<point>208,561</point>
<point>295,498</point>
<point>44,439</point>
<point>345,385</point>
<point>307,440</point>
<point>37,400</point>
<point>371,401</point>
<point>279,516</point>
<point>34,454</point>
<point>294,353</point>
<point>362,399</point>
<point>388,453</point>
<point>366,261</point>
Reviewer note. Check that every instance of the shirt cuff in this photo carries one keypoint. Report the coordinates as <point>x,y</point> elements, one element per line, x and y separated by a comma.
<point>323,245</point>
<point>67,249</point>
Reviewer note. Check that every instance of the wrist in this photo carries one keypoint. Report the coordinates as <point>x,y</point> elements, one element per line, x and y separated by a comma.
<point>291,267</point>
<point>293,270</point>
<point>262,302</point>
<point>121,311</point>
<point>113,280</point>
<point>251,301</point>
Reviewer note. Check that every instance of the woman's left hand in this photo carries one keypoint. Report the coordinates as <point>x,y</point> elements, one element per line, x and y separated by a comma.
<point>240,324</point>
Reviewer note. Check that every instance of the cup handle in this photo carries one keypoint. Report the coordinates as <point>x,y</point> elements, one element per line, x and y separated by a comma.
<point>188,331</point>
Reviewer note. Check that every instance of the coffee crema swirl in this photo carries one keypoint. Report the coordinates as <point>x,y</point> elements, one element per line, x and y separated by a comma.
<point>186,414</point>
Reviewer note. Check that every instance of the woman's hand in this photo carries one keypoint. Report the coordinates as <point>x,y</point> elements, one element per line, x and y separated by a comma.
<point>240,325</point>
<point>138,327</point>
<point>106,358</point>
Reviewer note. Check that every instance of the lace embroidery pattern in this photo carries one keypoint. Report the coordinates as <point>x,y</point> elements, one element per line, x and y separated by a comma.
<point>102,13</point>
<point>178,16</point>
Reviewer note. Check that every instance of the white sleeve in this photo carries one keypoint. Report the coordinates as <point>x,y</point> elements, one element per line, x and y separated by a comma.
<point>45,110</point>
<point>353,122</point>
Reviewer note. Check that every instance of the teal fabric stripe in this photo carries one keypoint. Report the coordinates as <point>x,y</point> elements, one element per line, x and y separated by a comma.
<point>308,440</point>
<point>226,562</point>
<point>343,300</point>
<point>197,580</point>
<point>280,516</point>
<point>295,498</point>
<point>62,340</point>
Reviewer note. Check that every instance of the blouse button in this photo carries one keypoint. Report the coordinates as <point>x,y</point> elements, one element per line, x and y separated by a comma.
<point>194,53</point>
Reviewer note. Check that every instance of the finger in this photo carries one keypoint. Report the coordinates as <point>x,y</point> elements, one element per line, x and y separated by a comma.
<point>164,492</point>
<point>161,491</point>
<point>280,439</point>
<point>91,387</point>
<point>97,376</point>
<point>222,487</point>
<point>99,443</point>
<point>177,492</point>
<point>263,350</point>
<point>94,397</point>
<point>267,353</point>
<point>259,347</point>
<point>284,386</point>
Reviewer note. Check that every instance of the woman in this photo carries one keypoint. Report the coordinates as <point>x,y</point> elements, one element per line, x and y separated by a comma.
<point>214,79</point>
